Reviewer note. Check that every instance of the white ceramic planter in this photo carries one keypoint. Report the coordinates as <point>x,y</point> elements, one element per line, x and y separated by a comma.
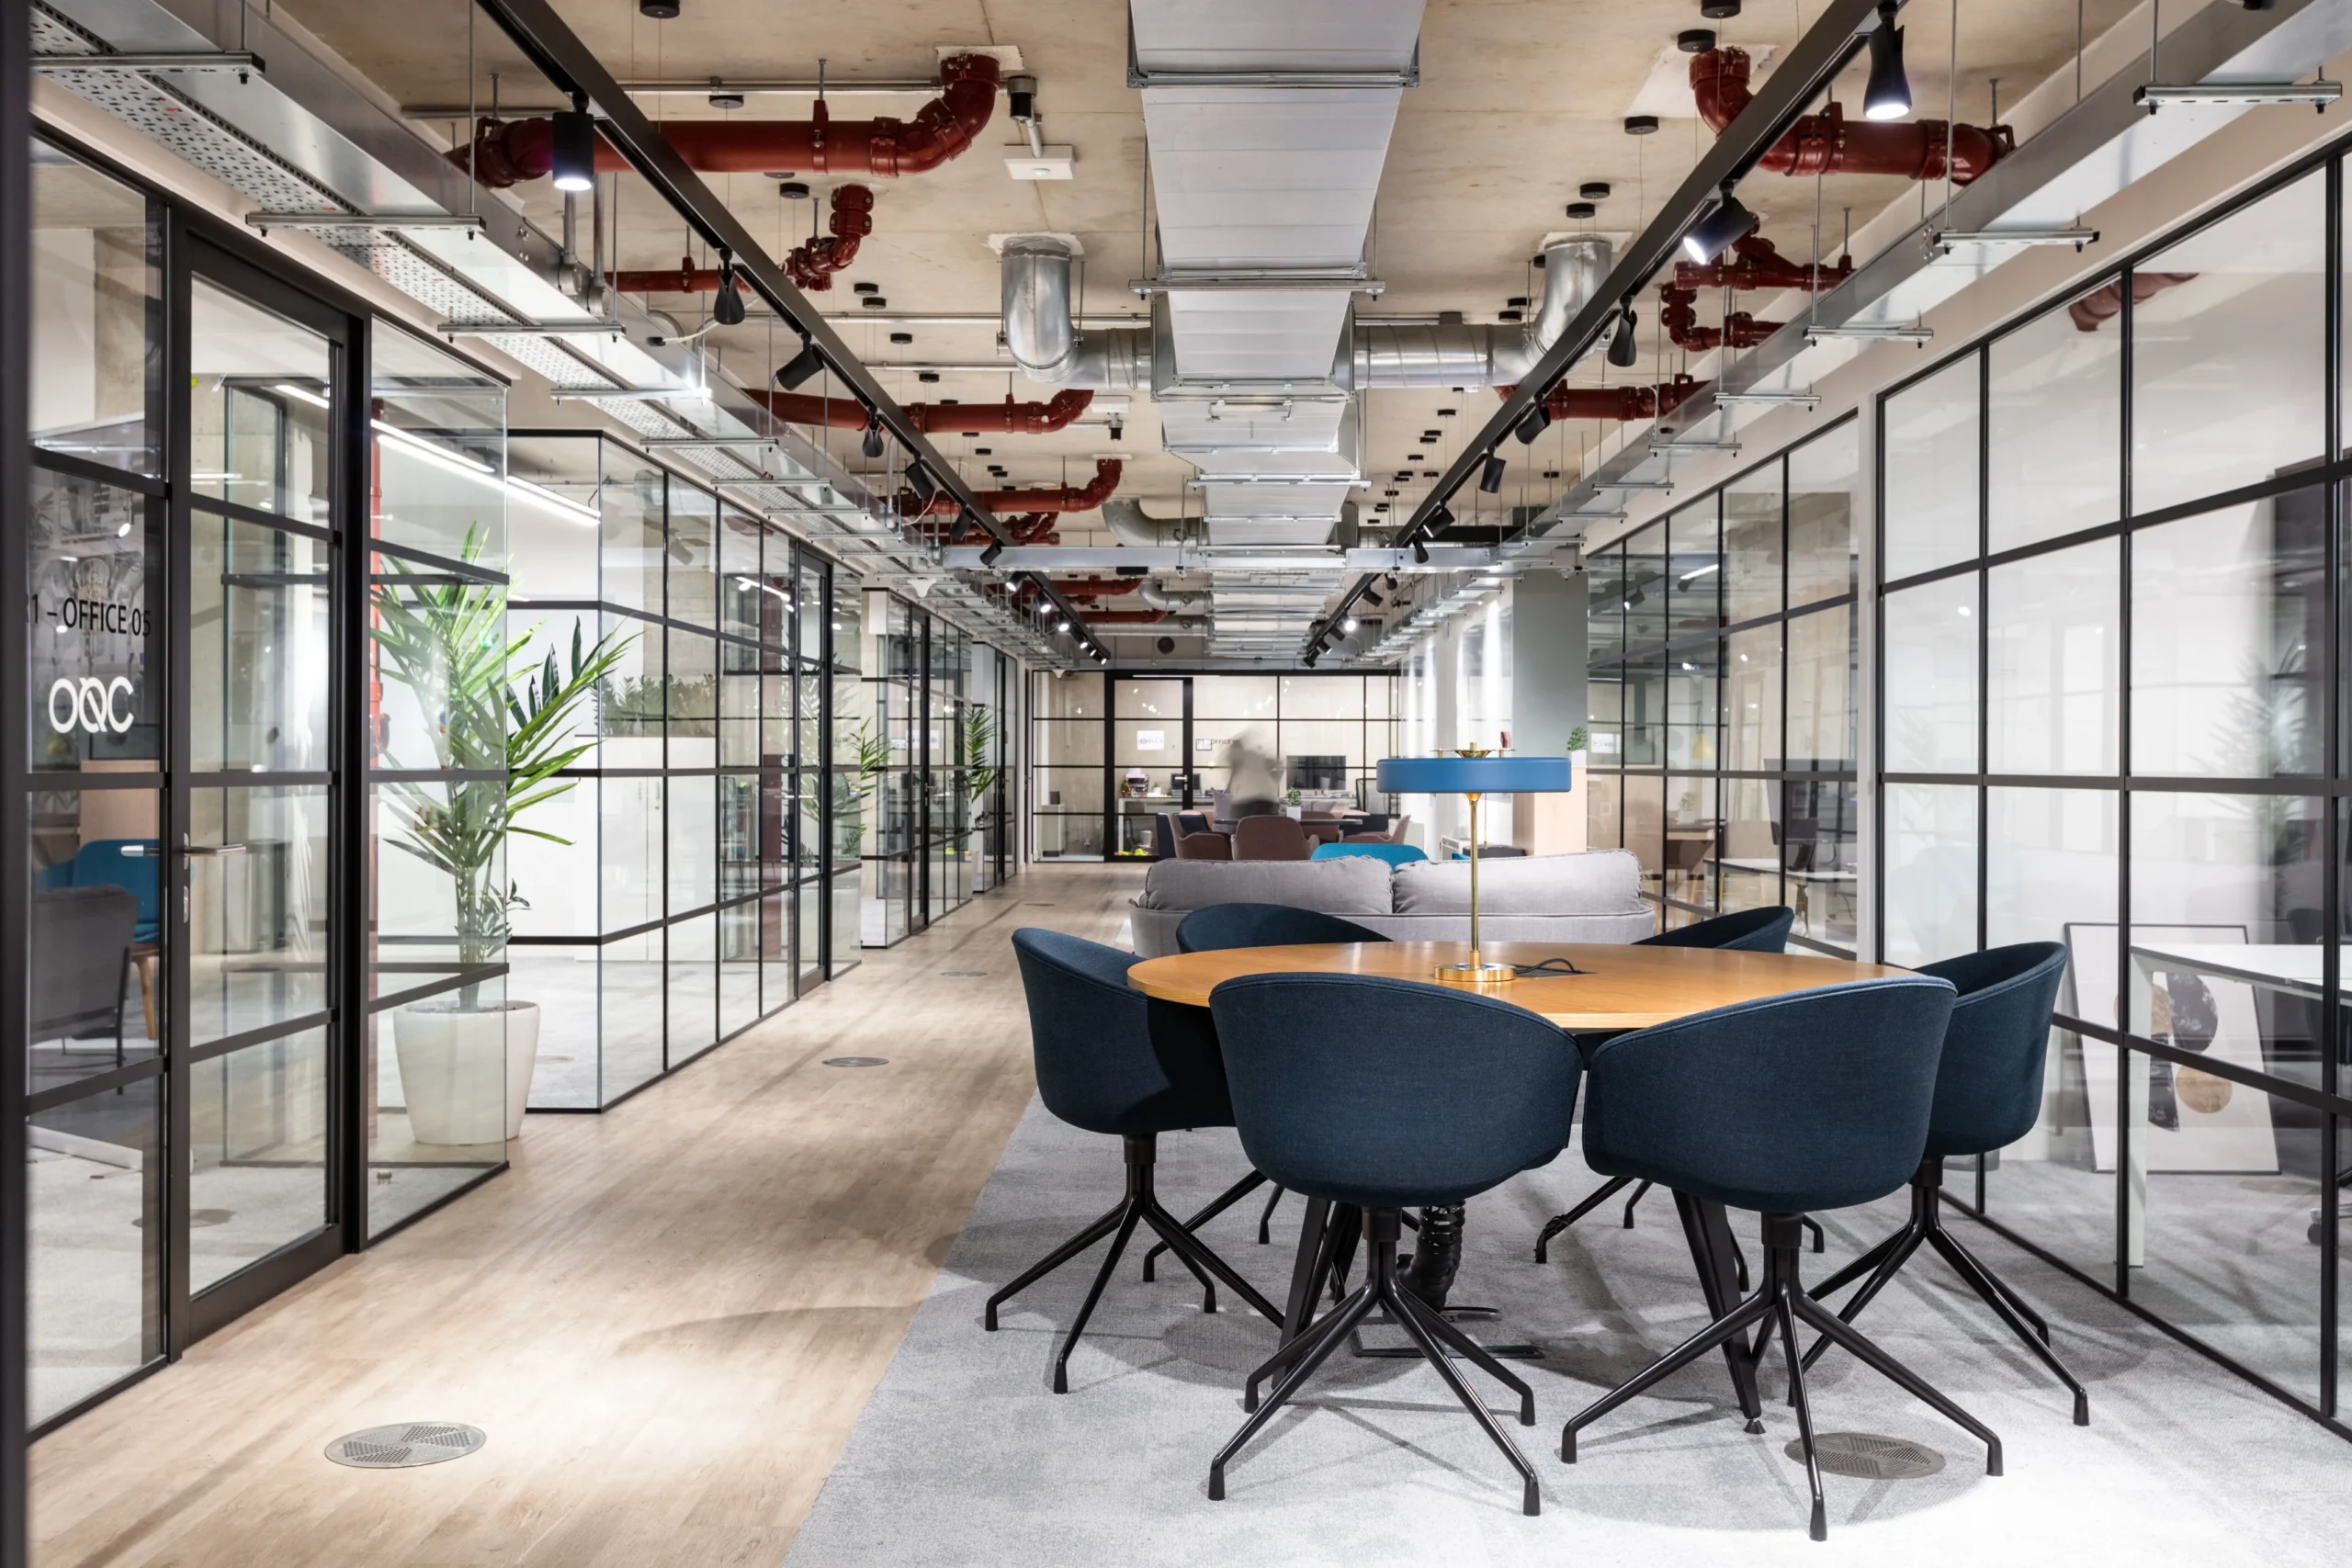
<point>466,1072</point>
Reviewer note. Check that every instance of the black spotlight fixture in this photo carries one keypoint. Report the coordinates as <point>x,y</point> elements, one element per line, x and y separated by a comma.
<point>1888,96</point>
<point>1696,40</point>
<point>872,443</point>
<point>1441,519</point>
<point>989,557</point>
<point>875,302</point>
<point>928,378</point>
<point>963,526</point>
<point>792,190</point>
<point>902,338</point>
<point>865,289</point>
<point>1719,10</point>
<point>1581,210</point>
<point>727,310</point>
<point>1373,598</point>
<point>726,98</point>
<point>1727,222</point>
<point>1594,191</point>
<point>1641,125</point>
<point>1533,424</point>
<point>660,10</point>
<point>1490,474</point>
<point>800,367</point>
<point>1420,550</point>
<point>919,479</point>
<point>1623,349</point>
<point>572,148</point>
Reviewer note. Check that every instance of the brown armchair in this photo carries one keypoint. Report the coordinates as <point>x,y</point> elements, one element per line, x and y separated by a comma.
<point>1204,846</point>
<point>1270,837</point>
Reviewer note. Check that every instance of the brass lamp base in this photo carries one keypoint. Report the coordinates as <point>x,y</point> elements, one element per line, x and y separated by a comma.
<point>1476,975</point>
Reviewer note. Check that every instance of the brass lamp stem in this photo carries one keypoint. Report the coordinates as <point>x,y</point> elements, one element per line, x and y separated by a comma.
<point>1474,883</point>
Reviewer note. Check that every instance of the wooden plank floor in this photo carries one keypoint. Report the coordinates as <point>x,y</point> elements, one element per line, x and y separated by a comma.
<point>667,1317</point>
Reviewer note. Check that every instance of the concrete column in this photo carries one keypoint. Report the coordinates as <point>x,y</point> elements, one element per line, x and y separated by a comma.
<point>1547,703</point>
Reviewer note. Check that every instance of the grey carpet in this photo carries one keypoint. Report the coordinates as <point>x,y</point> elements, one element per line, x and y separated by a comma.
<point>965,1457</point>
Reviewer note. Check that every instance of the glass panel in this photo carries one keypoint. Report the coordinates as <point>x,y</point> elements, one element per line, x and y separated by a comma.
<point>1214,696</point>
<point>630,1006</point>
<point>777,954</point>
<point>1646,591</point>
<point>259,652</point>
<point>1691,716</point>
<point>848,895</point>
<point>2057,427</point>
<point>1321,696</point>
<point>1644,696</point>
<point>1160,701</point>
<point>1824,477</point>
<point>1931,872</point>
<point>630,839</point>
<point>258,932</point>
<point>631,542</point>
<point>256,1165</point>
<point>94,973</point>
<point>259,407</point>
<point>693,987</point>
<point>97,346</point>
<point>692,817</point>
<point>738,834</point>
<point>439,451</point>
<point>1822,679</point>
<point>554,489</point>
<point>1930,680</point>
<point>1931,472</point>
<point>2056,1185</point>
<point>93,1264</point>
<point>2051,654</point>
<point>1749,871</point>
<point>1819,830</point>
<point>1693,837</point>
<point>562,982</point>
<point>693,556</point>
<point>1604,810</point>
<point>1604,616</point>
<point>2228,360</point>
<point>92,551</point>
<point>1646,827</point>
<point>1694,583</point>
<point>691,691</point>
<point>1752,547</point>
<point>2229,616</point>
<point>744,595</point>
<point>810,897</point>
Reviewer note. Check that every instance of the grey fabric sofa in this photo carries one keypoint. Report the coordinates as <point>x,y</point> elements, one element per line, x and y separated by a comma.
<point>1587,897</point>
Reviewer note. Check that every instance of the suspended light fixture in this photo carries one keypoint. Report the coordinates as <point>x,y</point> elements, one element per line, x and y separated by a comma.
<point>1533,424</point>
<point>919,479</point>
<point>1888,96</point>
<point>1490,474</point>
<point>1718,227</point>
<point>658,10</point>
<point>573,151</point>
<point>872,445</point>
<point>1421,551</point>
<point>989,557</point>
<point>1623,349</point>
<point>1349,624</point>
<point>727,310</point>
<point>802,365</point>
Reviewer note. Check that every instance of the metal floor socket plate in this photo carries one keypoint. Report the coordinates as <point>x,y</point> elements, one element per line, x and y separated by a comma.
<point>406,1444</point>
<point>857,1061</point>
<point>1871,1457</point>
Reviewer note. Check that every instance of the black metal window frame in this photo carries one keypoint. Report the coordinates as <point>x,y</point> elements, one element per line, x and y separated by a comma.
<point>2332,787</point>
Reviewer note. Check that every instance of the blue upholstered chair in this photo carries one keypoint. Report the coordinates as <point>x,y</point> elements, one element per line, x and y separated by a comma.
<point>1748,930</point>
<point>1109,1061</point>
<point>1814,1100</point>
<point>1383,1095</point>
<point>1395,854</point>
<point>1220,926</point>
<point>1988,1092</point>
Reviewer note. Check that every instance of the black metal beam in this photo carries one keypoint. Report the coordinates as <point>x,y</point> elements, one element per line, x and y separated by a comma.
<point>572,67</point>
<point>1824,49</point>
<point>15,876</point>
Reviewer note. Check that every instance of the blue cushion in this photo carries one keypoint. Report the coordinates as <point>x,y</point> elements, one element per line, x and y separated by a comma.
<point>1107,1060</point>
<point>1391,1093</point>
<point>1747,931</point>
<point>130,864</point>
<point>1816,1099</point>
<point>1220,926</point>
<point>1395,854</point>
<point>1988,1087</point>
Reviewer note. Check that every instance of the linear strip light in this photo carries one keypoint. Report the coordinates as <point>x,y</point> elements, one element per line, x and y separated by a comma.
<point>303,393</point>
<point>1944,243</point>
<point>2319,94</point>
<point>1768,397</point>
<point>1871,331</point>
<point>1633,484</point>
<point>474,468</point>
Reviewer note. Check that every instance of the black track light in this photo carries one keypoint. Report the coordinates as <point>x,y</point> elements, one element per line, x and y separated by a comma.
<point>872,445</point>
<point>1441,519</point>
<point>1888,96</point>
<point>1533,424</point>
<point>963,526</point>
<point>1623,349</point>
<point>1421,551</point>
<point>996,549</point>
<point>573,149</point>
<point>802,365</point>
<point>1718,227</point>
<point>1490,474</point>
<point>919,479</point>
<point>1373,598</point>
<point>727,310</point>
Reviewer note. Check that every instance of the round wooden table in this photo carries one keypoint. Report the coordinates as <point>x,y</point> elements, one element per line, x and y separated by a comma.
<point>1622,987</point>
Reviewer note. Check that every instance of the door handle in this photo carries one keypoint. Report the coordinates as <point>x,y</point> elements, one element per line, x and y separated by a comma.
<point>193,849</point>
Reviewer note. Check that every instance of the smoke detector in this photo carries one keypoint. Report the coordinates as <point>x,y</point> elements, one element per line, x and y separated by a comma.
<point>1047,163</point>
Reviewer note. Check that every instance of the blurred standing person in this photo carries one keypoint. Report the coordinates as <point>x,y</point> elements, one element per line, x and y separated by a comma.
<point>1251,787</point>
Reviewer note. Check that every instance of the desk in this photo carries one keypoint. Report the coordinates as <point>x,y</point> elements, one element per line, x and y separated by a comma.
<point>1624,988</point>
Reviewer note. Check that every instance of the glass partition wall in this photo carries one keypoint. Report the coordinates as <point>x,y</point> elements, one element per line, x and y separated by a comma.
<point>675,893</point>
<point>2112,617</point>
<point>1721,678</point>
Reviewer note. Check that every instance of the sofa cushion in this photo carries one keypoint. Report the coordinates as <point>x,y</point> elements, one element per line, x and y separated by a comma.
<point>1354,886</point>
<point>1599,882</point>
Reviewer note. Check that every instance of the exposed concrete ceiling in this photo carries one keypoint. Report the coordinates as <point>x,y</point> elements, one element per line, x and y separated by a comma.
<point>1519,104</point>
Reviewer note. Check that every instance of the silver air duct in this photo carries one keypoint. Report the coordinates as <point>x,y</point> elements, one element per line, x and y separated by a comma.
<point>1131,524</point>
<point>1175,603</point>
<point>1040,333</point>
<point>1458,355</point>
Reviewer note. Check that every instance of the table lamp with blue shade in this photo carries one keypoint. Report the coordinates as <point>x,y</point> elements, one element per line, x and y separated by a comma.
<point>1473,772</point>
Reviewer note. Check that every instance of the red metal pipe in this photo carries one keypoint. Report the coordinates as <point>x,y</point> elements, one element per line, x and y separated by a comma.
<point>1099,587</point>
<point>1063,497</point>
<point>508,153</point>
<point>1617,403</point>
<point>812,264</point>
<point>1682,328</point>
<point>1124,617</point>
<point>1829,143</point>
<point>2103,305</point>
<point>1755,262</point>
<point>1007,418</point>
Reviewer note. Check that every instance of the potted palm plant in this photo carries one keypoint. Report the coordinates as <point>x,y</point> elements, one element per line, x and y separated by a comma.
<point>466,1063</point>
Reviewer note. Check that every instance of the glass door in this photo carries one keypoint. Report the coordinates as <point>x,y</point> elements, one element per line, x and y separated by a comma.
<point>1149,757</point>
<point>249,865</point>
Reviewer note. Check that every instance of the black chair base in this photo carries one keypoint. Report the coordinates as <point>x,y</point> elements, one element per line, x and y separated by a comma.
<point>1217,1205</point>
<point>1430,1333</point>
<point>1779,1302</point>
<point>1617,1184</point>
<point>1925,1226</point>
<point>1139,1206</point>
